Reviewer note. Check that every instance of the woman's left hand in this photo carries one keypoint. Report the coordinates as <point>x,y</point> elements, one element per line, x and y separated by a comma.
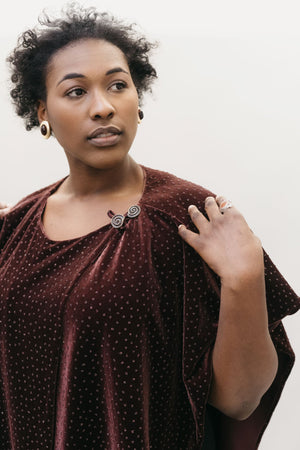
<point>224,241</point>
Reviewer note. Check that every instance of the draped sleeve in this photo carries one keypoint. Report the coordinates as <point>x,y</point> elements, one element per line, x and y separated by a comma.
<point>200,322</point>
<point>201,304</point>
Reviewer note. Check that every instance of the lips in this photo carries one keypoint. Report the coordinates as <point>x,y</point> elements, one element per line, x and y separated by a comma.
<point>104,132</point>
<point>105,136</point>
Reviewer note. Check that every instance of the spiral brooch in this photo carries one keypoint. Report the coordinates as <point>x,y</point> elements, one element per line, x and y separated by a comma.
<point>117,221</point>
<point>133,211</point>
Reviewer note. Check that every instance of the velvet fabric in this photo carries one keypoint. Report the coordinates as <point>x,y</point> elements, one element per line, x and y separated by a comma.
<point>106,339</point>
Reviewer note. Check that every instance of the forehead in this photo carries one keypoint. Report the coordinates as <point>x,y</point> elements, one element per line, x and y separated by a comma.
<point>86,56</point>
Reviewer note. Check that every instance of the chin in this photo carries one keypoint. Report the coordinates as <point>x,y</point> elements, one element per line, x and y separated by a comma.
<point>109,161</point>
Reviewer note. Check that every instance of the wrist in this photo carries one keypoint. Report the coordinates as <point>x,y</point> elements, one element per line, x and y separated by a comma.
<point>241,279</point>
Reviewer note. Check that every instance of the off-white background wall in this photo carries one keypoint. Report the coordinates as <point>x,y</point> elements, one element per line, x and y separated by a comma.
<point>225,113</point>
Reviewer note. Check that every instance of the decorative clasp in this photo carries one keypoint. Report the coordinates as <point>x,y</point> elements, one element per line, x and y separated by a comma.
<point>117,220</point>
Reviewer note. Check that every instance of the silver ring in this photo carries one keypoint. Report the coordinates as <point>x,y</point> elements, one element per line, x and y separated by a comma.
<point>226,204</point>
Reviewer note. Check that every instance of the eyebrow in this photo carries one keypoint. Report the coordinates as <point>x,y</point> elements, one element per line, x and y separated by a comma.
<point>70,76</point>
<point>116,70</point>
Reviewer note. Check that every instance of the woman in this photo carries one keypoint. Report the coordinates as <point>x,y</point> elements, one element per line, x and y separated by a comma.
<point>130,318</point>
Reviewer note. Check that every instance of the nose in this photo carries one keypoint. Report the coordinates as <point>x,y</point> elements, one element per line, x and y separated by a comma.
<point>101,107</point>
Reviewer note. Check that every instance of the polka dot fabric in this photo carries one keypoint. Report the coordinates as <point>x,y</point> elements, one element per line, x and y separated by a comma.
<point>106,339</point>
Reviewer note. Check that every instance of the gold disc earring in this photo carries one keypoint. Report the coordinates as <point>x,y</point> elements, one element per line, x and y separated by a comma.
<point>45,129</point>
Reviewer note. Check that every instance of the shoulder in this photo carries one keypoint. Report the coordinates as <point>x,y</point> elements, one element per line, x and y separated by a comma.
<point>172,194</point>
<point>23,212</point>
<point>28,204</point>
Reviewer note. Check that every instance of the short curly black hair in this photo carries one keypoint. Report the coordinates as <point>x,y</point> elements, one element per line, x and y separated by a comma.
<point>29,60</point>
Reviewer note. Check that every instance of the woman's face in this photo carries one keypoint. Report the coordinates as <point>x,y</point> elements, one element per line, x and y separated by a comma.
<point>92,103</point>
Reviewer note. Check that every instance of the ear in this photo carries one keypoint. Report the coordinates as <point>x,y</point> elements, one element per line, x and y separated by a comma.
<point>42,111</point>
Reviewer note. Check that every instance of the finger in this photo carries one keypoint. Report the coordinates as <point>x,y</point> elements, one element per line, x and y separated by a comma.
<point>197,217</point>
<point>221,199</point>
<point>3,205</point>
<point>223,203</point>
<point>212,208</point>
<point>189,237</point>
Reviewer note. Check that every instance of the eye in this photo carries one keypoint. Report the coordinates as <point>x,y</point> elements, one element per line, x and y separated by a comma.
<point>118,86</point>
<point>75,93</point>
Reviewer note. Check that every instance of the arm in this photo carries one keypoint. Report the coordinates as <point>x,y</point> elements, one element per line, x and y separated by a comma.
<point>244,358</point>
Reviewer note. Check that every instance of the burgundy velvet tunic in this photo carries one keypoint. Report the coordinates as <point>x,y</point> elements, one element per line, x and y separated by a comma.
<point>106,339</point>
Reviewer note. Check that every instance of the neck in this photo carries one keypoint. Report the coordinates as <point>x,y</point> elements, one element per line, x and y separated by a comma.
<point>116,181</point>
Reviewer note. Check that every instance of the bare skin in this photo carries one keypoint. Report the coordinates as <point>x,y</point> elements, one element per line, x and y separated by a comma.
<point>244,358</point>
<point>68,215</point>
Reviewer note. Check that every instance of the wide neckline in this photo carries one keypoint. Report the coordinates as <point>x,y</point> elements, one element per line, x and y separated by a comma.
<point>102,229</point>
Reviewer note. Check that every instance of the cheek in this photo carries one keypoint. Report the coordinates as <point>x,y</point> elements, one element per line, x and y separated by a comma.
<point>131,111</point>
<point>64,128</point>
<point>132,103</point>
<point>131,115</point>
<point>59,113</point>
<point>63,121</point>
